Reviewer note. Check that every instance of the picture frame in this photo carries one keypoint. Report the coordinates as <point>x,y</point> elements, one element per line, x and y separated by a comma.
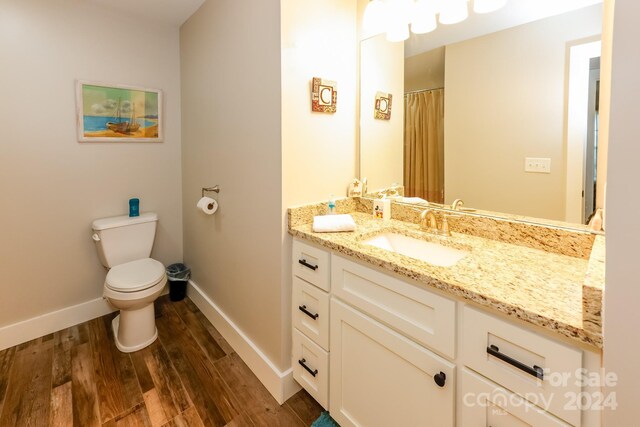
<point>109,112</point>
<point>382,108</point>
<point>324,95</point>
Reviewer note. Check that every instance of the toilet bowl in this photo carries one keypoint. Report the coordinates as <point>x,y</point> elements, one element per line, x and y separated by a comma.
<point>134,281</point>
<point>132,288</point>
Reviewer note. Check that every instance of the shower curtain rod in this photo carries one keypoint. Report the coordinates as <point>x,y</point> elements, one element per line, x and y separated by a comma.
<point>423,90</point>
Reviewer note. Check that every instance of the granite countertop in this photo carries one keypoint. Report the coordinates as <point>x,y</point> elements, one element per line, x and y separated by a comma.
<point>537,286</point>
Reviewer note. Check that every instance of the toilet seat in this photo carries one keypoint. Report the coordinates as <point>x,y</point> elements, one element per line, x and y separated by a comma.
<point>135,276</point>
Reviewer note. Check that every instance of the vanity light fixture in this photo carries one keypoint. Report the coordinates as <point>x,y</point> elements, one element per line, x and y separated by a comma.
<point>394,17</point>
<point>423,19</point>
<point>398,14</point>
<point>374,17</point>
<point>453,11</point>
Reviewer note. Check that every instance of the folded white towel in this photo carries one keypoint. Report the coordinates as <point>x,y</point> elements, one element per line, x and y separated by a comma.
<point>414,200</point>
<point>331,223</point>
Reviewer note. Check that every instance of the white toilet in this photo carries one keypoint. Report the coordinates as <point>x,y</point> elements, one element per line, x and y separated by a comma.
<point>134,280</point>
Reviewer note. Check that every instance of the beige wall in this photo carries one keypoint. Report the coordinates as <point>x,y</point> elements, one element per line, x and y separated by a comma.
<point>259,141</point>
<point>51,186</point>
<point>381,141</point>
<point>622,293</point>
<point>425,70</point>
<point>230,57</point>
<point>318,150</point>
<point>488,135</point>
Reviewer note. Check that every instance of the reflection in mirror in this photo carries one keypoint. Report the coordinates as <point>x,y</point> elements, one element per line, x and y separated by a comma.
<point>503,118</point>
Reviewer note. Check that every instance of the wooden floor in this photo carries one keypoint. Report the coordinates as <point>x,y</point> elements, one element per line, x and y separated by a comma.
<point>189,377</point>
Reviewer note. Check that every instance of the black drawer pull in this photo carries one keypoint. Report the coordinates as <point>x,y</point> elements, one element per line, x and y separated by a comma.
<point>306,264</point>
<point>536,371</point>
<point>303,308</point>
<point>304,365</point>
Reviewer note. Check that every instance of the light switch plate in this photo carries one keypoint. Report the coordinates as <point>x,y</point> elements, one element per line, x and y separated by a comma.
<point>537,164</point>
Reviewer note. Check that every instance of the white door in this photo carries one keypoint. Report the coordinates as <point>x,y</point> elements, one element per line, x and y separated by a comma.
<point>380,378</point>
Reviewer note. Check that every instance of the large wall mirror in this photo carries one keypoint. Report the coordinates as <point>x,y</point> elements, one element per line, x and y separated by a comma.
<point>499,110</point>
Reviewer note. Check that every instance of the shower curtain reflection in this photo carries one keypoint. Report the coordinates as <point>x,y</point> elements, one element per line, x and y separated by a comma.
<point>424,145</point>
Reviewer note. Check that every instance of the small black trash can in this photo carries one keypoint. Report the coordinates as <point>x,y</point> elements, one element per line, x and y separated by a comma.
<point>178,275</point>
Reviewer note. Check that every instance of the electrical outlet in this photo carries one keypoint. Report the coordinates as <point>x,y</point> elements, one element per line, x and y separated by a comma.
<point>537,164</point>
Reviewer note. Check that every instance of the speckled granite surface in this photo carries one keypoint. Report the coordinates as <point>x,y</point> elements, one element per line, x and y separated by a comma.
<point>552,236</point>
<point>593,288</point>
<point>541,287</point>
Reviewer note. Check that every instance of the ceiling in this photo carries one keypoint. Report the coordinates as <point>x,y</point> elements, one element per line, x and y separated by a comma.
<point>516,12</point>
<point>169,12</point>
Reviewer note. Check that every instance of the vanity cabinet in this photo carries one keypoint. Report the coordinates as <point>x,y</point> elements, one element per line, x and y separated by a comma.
<point>423,316</point>
<point>527,363</point>
<point>483,403</point>
<point>376,350</point>
<point>381,378</point>
<point>310,319</point>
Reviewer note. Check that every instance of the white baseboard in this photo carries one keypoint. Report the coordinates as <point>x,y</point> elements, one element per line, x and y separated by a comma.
<point>36,327</point>
<point>281,385</point>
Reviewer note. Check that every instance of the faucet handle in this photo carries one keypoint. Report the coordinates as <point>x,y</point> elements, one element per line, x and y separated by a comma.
<point>456,204</point>
<point>445,230</point>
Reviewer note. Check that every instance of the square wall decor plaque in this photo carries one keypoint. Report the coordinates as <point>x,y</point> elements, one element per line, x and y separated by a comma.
<point>324,95</point>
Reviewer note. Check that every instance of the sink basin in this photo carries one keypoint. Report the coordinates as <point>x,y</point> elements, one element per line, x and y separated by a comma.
<point>433,253</point>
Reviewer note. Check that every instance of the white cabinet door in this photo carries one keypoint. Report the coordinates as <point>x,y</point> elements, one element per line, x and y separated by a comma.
<point>482,403</point>
<point>311,367</point>
<point>523,361</point>
<point>380,378</point>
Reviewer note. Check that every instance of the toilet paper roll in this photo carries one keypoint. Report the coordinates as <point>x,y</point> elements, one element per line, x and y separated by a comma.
<point>207,205</point>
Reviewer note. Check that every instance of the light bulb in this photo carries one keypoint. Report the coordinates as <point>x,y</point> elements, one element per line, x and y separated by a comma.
<point>486,6</point>
<point>453,11</point>
<point>398,32</point>
<point>398,15</point>
<point>374,19</point>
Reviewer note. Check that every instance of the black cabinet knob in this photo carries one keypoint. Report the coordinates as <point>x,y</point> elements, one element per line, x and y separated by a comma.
<point>440,379</point>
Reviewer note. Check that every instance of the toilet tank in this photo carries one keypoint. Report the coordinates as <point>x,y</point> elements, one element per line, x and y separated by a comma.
<point>121,239</point>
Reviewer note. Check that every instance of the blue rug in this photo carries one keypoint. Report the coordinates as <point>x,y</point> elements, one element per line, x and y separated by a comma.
<point>325,420</point>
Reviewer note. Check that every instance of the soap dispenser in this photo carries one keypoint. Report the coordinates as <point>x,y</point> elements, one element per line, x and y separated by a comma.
<point>332,205</point>
<point>382,208</point>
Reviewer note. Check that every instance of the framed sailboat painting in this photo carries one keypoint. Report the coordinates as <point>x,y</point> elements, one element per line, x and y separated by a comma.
<point>117,113</point>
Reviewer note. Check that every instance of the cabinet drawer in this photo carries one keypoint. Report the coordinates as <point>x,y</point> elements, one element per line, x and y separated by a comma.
<point>311,312</point>
<point>510,355</point>
<point>422,315</point>
<point>481,403</point>
<point>311,264</point>
<point>311,367</point>
<point>380,378</point>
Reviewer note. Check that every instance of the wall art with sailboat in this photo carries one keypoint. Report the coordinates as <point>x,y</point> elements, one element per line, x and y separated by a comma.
<point>117,113</point>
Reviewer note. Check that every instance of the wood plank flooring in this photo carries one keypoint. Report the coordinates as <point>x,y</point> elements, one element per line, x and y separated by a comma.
<point>190,377</point>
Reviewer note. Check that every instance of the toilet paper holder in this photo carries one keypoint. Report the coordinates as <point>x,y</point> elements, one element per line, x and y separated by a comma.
<point>215,189</point>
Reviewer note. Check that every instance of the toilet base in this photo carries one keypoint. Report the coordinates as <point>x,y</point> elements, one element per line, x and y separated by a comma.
<point>135,343</point>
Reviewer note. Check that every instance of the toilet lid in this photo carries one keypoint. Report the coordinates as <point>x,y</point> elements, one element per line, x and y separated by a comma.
<point>135,275</point>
